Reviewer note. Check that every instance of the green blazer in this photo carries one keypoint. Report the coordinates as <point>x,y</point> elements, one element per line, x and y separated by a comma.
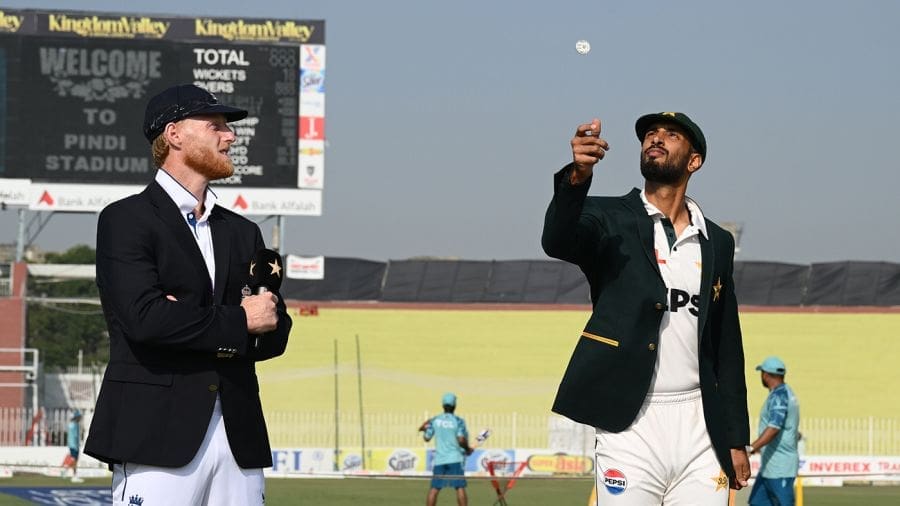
<point>609,374</point>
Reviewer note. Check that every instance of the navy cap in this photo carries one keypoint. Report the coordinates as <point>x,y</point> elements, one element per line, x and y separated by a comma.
<point>698,141</point>
<point>183,101</point>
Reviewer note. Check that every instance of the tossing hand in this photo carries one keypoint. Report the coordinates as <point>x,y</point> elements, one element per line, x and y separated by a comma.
<point>587,149</point>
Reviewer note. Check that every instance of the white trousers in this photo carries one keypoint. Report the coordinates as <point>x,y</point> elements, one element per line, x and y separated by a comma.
<point>212,478</point>
<point>665,457</point>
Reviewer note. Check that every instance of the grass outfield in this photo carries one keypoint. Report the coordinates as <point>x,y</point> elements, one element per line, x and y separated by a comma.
<point>496,361</point>
<point>376,492</point>
<point>839,365</point>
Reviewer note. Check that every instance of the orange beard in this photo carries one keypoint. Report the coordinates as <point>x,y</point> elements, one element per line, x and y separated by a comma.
<point>207,162</point>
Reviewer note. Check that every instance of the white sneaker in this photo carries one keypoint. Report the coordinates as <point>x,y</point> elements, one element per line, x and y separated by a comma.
<point>76,479</point>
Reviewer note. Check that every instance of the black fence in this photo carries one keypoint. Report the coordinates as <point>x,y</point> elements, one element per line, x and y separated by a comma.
<point>554,282</point>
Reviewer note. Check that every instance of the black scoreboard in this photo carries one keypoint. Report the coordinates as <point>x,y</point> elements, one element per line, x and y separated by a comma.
<point>73,87</point>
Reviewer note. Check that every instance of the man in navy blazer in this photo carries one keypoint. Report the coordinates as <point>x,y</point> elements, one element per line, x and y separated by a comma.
<point>179,417</point>
<point>659,367</point>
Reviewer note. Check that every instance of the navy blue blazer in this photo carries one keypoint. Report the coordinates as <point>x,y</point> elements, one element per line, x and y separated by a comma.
<point>169,360</point>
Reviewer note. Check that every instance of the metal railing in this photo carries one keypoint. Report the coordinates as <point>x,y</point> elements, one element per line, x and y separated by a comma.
<point>302,429</point>
<point>41,427</point>
<point>862,436</point>
<point>851,436</point>
<point>5,280</point>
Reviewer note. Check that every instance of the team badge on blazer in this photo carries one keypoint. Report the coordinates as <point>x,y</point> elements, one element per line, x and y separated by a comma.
<point>717,289</point>
<point>246,292</point>
<point>276,268</point>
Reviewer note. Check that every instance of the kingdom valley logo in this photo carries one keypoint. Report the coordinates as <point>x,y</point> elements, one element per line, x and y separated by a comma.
<point>10,23</point>
<point>284,31</point>
<point>95,26</point>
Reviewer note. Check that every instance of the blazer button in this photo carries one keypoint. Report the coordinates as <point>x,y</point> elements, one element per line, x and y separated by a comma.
<point>659,306</point>
<point>651,346</point>
<point>213,388</point>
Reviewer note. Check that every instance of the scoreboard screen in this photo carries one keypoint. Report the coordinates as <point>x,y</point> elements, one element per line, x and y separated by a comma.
<point>73,88</point>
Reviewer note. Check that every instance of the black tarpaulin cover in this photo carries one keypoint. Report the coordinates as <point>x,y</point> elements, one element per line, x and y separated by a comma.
<point>555,282</point>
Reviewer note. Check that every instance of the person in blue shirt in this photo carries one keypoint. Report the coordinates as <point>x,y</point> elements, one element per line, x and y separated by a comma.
<point>451,446</point>
<point>778,438</point>
<point>73,441</point>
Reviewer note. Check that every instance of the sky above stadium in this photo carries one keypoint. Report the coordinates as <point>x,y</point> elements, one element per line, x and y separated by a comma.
<point>446,120</point>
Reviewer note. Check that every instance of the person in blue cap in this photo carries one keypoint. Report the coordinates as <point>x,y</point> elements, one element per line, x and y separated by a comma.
<point>778,438</point>
<point>451,446</point>
<point>73,441</point>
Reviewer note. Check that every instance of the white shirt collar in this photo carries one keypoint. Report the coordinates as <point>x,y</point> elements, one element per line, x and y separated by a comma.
<point>696,214</point>
<point>184,199</point>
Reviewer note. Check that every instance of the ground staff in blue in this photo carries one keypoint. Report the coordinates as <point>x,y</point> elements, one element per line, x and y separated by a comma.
<point>73,441</point>
<point>451,446</point>
<point>659,368</point>
<point>779,434</point>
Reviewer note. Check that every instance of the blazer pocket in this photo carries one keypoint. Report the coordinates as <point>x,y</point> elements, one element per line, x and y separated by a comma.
<point>127,373</point>
<point>604,340</point>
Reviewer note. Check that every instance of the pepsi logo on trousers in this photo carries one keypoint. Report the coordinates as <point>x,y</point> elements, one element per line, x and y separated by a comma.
<point>614,481</point>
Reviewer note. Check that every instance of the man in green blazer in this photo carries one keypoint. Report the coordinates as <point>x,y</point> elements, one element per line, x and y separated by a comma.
<point>659,367</point>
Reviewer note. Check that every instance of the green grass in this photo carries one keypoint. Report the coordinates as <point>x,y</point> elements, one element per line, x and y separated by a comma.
<point>840,365</point>
<point>496,361</point>
<point>402,492</point>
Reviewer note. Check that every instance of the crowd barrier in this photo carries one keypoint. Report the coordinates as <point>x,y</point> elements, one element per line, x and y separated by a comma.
<point>870,436</point>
